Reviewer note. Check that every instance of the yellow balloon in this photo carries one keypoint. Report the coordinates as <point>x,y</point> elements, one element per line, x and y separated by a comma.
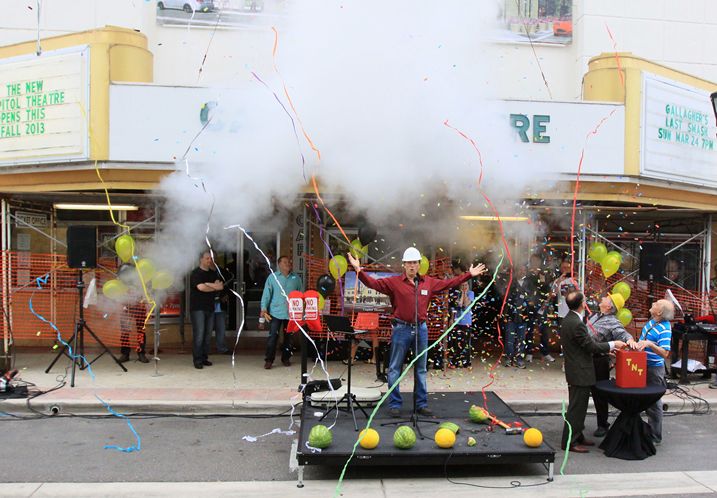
<point>423,266</point>
<point>114,289</point>
<point>338,266</point>
<point>610,265</point>
<point>322,302</point>
<point>617,254</point>
<point>124,246</point>
<point>597,252</point>
<point>146,269</point>
<point>162,280</point>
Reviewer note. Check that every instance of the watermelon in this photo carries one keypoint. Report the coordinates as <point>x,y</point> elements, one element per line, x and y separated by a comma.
<point>454,428</point>
<point>477,414</point>
<point>404,438</point>
<point>320,436</point>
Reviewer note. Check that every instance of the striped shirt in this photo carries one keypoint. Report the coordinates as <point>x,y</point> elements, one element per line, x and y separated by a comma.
<point>661,334</point>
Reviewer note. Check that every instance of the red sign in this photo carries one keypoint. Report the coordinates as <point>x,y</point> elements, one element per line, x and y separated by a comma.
<point>631,368</point>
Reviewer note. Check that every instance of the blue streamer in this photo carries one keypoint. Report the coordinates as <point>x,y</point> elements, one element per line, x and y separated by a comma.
<point>40,282</point>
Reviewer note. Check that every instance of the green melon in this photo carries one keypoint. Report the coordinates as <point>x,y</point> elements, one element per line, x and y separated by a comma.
<point>404,438</point>
<point>454,428</point>
<point>320,436</point>
<point>477,414</point>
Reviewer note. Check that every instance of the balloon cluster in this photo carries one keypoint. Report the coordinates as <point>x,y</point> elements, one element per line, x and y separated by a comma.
<point>338,265</point>
<point>610,262</point>
<point>623,314</point>
<point>134,269</point>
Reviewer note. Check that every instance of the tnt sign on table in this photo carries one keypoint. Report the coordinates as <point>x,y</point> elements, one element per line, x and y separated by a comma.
<point>631,368</point>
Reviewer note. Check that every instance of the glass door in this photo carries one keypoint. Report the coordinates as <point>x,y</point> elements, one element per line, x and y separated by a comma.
<point>252,273</point>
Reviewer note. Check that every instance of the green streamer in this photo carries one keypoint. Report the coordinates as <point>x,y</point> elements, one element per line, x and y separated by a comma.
<point>337,492</point>
<point>570,438</point>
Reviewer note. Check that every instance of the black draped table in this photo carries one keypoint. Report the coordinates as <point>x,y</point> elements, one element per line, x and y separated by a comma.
<point>629,436</point>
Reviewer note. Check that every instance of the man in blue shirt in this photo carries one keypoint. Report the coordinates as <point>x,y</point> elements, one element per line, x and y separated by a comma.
<point>275,309</point>
<point>655,339</point>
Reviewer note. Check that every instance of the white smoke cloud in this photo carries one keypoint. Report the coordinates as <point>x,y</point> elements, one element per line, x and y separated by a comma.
<point>373,83</point>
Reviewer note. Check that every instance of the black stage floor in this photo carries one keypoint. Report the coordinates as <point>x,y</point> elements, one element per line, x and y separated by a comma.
<point>493,447</point>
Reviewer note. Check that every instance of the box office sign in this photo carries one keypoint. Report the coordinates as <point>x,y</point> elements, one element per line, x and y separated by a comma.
<point>678,132</point>
<point>44,107</point>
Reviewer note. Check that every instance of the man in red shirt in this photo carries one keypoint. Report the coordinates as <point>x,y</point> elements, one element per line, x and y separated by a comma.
<point>410,295</point>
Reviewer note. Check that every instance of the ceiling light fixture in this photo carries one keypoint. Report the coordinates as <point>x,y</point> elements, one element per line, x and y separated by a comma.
<point>95,207</point>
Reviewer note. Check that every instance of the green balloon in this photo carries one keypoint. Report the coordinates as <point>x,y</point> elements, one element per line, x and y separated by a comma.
<point>623,289</point>
<point>358,250</point>
<point>625,316</point>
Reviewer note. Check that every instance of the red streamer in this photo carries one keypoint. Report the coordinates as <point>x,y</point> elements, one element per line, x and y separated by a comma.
<point>491,372</point>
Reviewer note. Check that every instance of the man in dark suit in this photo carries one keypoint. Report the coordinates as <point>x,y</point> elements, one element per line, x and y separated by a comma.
<point>578,349</point>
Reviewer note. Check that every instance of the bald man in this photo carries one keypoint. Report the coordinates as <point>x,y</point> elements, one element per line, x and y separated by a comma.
<point>655,339</point>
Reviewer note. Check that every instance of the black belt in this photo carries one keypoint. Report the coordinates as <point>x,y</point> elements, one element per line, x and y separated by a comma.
<point>396,321</point>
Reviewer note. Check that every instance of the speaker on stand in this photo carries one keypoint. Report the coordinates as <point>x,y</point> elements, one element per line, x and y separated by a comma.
<point>82,247</point>
<point>652,267</point>
<point>81,254</point>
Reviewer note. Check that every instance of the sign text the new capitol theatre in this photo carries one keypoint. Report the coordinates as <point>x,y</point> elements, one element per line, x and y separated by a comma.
<point>44,108</point>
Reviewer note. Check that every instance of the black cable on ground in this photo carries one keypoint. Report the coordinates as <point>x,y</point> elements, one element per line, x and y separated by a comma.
<point>511,485</point>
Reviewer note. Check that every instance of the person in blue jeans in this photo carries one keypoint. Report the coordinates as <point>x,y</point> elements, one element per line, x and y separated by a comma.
<point>459,339</point>
<point>275,309</point>
<point>204,285</point>
<point>410,295</point>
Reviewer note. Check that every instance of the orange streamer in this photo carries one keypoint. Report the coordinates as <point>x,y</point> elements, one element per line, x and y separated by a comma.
<point>288,97</point>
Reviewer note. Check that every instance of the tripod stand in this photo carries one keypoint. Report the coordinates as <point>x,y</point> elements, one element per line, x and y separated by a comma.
<point>79,336</point>
<point>414,420</point>
<point>342,324</point>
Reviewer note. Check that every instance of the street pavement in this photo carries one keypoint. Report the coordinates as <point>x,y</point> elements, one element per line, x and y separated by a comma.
<point>180,456</point>
<point>173,385</point>
<point>64,455</point>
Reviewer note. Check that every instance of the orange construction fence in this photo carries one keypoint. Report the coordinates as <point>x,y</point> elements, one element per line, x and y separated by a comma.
<point>46,281</point>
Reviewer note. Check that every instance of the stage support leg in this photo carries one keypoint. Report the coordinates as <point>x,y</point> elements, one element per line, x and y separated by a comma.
<point>300,482</point>
<point>294,462</point>
<point>551,467</point>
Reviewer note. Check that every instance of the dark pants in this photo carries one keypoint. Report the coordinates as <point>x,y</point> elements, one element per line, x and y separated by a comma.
<point>275,327</point>
<point>602,372</point>
<point>202,323</point>
<point>656,376</point>
<point>575,415</point>
<point>220,331</point>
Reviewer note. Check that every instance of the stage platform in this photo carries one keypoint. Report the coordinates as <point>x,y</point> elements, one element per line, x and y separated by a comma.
<point>493,446</point>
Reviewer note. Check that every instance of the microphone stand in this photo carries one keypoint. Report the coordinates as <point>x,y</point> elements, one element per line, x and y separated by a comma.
<point>415,420</point>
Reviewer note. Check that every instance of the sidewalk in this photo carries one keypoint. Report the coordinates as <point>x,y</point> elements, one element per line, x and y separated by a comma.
<point>700,483</point>
<point>247,387</point>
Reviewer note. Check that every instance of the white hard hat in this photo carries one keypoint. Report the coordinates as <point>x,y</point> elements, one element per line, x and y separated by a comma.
<point>411,254</point>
